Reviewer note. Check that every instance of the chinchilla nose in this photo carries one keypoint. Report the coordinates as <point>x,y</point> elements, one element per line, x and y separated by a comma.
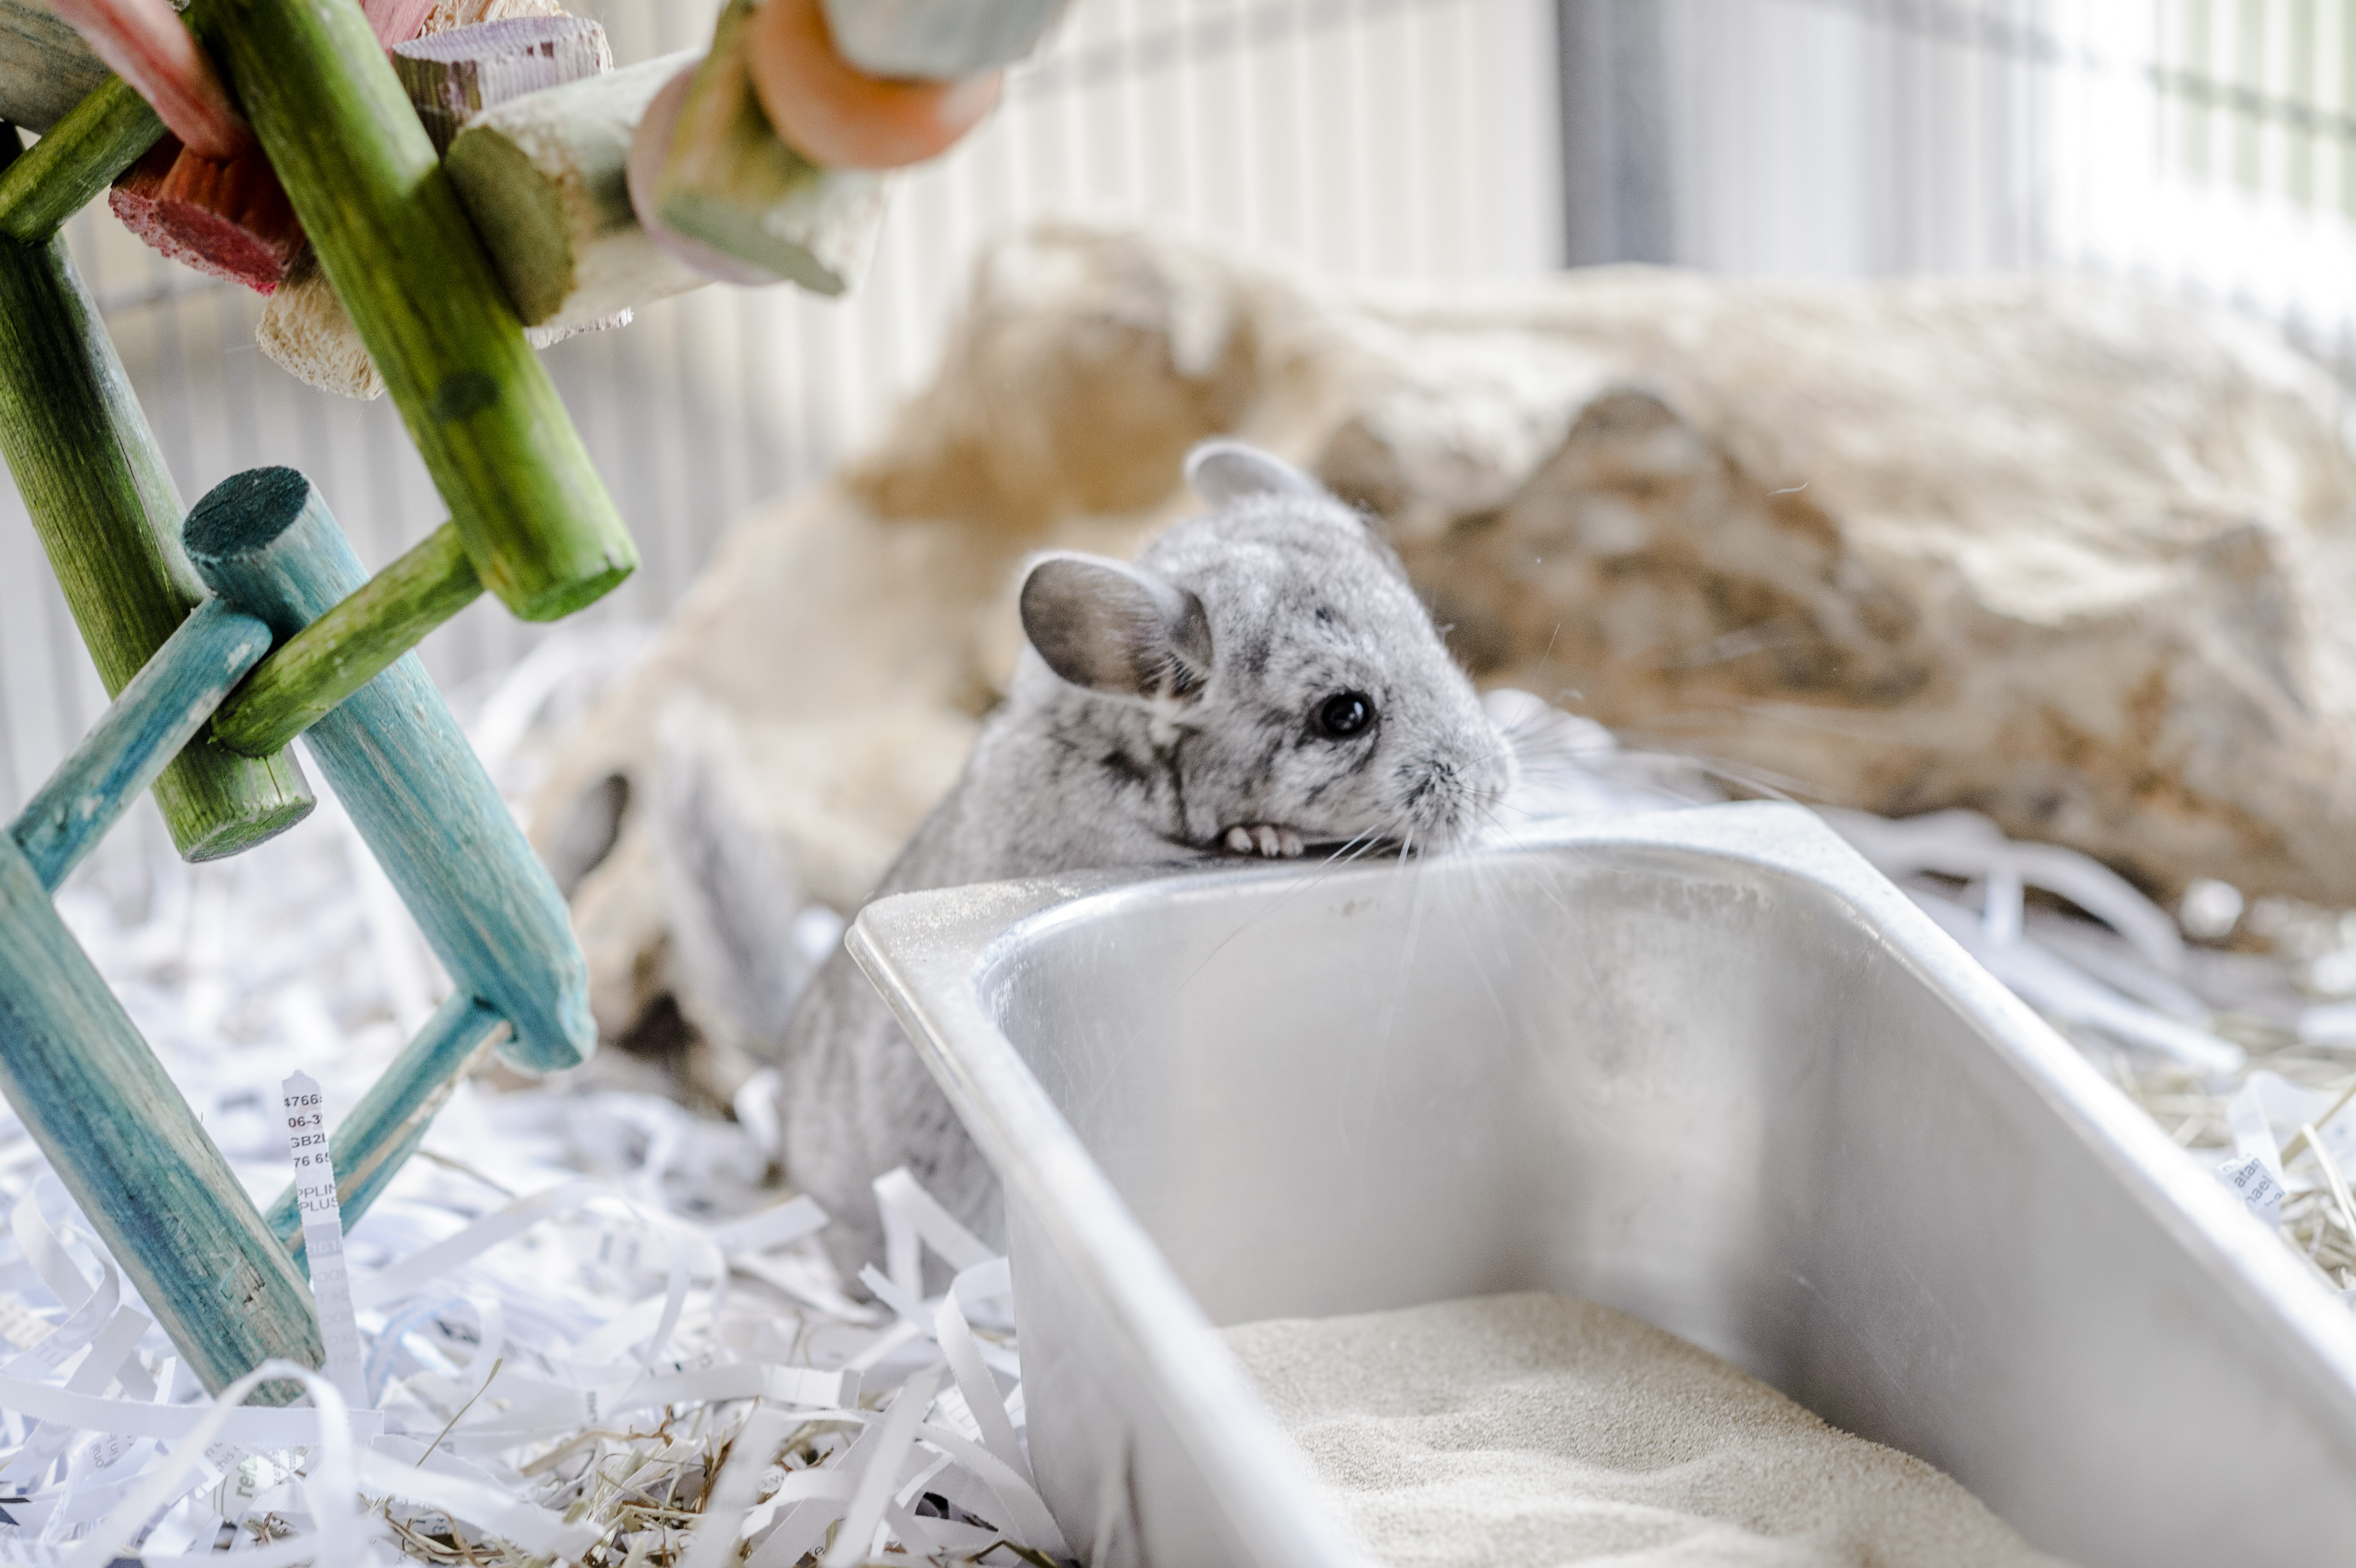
<point>1464,781</point>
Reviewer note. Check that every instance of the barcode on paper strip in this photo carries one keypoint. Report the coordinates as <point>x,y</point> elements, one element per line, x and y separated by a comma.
<point>323,1233</point>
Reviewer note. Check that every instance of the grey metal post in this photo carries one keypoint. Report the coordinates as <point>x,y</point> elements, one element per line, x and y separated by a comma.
<point>1616,156</point>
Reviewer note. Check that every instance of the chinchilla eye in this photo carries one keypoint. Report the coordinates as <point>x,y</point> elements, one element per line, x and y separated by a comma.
<point>1345,714</point>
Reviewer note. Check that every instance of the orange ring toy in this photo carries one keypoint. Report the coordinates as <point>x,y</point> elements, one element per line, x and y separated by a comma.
<point>839,117</point>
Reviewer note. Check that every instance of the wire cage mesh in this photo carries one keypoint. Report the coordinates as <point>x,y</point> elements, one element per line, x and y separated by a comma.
<point>2207,145</point>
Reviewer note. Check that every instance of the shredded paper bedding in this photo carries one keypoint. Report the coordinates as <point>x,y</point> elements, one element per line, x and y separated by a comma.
<point>585,1326</point>
<point>581,1326</point>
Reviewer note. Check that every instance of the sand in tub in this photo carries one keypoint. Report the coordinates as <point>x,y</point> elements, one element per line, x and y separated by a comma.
<point>1536,1430</point>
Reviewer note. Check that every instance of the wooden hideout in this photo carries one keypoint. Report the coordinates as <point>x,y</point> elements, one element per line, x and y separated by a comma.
<point>223,632</point>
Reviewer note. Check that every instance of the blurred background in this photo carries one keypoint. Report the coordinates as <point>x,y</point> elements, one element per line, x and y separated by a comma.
<point>2208,145</point>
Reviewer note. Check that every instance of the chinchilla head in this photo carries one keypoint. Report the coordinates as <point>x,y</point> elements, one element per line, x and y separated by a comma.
<point>1288,676</point>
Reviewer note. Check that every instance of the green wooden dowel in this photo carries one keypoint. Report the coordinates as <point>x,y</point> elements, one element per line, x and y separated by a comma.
<point>370,1146</point>
<point>162,709</point>
<point>350,646</point>
<point>414,788</point>
<point>102,134</point>
<point>134,1156</point>
<point>99,138</point>
<point>394,242</point>
<point>109,519</point>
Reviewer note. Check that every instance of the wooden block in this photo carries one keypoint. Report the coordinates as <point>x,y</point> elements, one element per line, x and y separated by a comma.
<point>45,68</point>
<point>307,332</point>
<point>265,542</point>
<point>938,39</point>
<point>452,77</point>
<point>96,140</point>
<point>547,333</point>
<point>544,178</point>
<point>228,221</point>
<point>133,197</point>
<point>162,709</point>
<point>721,178</point>
<point>393,241</point>
<point>448,13</point>
<point>345,648</point>
<point>370,1146</point>
<point>134,1156</point>
<point>146,44</point>
<point>109,519</point>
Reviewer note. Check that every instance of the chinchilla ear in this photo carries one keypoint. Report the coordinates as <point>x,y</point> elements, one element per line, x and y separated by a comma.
<point>1225,471</point>
<point>1112,628</point>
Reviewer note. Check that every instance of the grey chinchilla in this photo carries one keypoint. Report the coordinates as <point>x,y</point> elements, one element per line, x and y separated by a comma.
<point>1262,680</point>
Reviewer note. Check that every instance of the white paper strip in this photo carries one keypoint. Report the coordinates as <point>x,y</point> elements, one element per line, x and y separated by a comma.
<point>323,1233</point>
<point>335,1493</point>
<point>2254,1185</point>
<point>869,1499</point>
<point>733,1491</point>
<point>2063,993</point>
<point>2254,1139</point>
<point>534,1528</point>
<point>982,1398</point>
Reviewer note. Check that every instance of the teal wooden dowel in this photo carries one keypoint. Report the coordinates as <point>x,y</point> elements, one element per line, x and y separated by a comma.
<point>133,1153</point>
<point>266,542</point>
<point>371,1145</point>
<point>163,708</point>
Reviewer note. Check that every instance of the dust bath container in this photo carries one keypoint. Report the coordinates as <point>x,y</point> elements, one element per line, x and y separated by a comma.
<point>1707,1066</point>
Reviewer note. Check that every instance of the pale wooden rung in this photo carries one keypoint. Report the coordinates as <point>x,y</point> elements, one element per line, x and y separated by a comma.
<point>306,329</point>
<point>45,68</point>
<point>939,40</point>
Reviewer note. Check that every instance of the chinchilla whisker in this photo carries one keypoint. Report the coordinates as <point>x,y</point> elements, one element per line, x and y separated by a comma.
<point>1550,893</point>
<point>1759,781</point>
<point>1407,956</point>
<point>1312,875</point>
